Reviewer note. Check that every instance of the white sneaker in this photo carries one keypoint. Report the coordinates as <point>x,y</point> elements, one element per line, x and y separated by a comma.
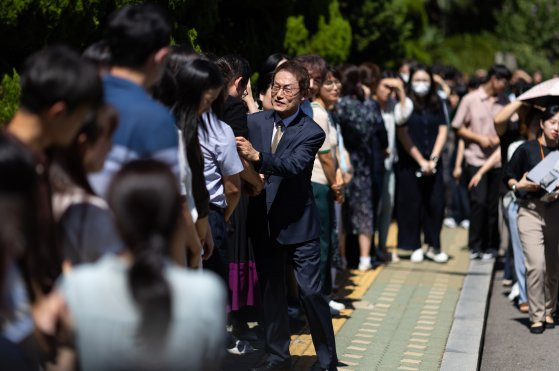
<point>364,266</point>
<point>417,256</point>
<point>465,224</point>
<point>514,292</point>
<point>475,255</point>
<point>241,347</point>
<point>395,257</point>
<point>336,305</point>
<point>487,256</point>
<point>441,257</point>
<point>449,223</point>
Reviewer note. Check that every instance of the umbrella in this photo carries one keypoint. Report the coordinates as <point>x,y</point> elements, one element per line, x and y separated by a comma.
<point>542,94</point>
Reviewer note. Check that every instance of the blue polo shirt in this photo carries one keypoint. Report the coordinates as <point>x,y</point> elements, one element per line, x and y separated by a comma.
<point>146,129</point>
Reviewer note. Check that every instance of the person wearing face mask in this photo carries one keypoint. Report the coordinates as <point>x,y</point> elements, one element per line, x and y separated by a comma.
<point>420,205</point>
<point>404,70</point>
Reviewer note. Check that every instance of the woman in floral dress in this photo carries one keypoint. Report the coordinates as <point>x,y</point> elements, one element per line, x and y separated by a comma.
<point>360,120</point>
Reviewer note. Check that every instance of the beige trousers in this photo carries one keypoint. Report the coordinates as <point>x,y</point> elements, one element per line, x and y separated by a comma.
<point>538,226</point>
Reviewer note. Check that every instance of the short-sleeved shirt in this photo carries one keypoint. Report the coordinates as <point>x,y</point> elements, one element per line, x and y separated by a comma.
<point>220,156</point>
<point>423,128</point>
<point>476,112</point>
<point>528,155</point>
<point>146,129</point>
<point>106,318</point>
<point>320,116</point>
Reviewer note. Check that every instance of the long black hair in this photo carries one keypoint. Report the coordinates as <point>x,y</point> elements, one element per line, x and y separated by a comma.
<point>233,66</point>
<point>145,200</point>
<point>19,228</point>
<point>192,79</point>
<point>166,89</point>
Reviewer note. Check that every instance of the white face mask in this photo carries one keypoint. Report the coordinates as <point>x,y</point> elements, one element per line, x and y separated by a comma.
<point>405,77</point>
<point>421,88</point>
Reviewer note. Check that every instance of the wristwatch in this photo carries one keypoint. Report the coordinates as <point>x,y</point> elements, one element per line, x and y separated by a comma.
<point>435,159</point>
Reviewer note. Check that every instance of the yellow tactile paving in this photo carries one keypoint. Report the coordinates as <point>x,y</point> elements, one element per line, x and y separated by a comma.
<point>358,284</point>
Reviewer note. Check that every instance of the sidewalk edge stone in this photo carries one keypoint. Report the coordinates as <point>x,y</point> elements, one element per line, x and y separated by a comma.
<point>465,341</point>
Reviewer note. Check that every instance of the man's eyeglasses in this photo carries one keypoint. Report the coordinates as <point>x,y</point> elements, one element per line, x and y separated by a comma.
<point>288,90</point>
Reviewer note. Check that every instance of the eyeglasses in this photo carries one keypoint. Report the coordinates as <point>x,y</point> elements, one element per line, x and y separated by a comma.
<point>330,84</point>
<point>288,90</point>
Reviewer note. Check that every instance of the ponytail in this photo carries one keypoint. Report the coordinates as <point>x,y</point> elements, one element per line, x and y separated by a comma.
<point>145,200</point>
<point>151,291</point>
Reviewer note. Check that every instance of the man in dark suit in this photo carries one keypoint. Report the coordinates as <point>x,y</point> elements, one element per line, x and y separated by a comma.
<point>283,144</point>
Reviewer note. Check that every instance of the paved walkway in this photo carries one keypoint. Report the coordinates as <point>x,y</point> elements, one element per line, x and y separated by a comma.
<point>403,320</point>
<point>508,343</point>
<point>398,317</point>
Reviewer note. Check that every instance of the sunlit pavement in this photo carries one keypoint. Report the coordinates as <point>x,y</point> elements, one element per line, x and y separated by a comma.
<point>399,316</point>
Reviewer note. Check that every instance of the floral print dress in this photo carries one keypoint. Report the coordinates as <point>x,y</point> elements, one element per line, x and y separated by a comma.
<point>359,121</point>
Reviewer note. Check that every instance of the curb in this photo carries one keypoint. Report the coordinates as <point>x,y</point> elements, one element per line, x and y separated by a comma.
<point>465,341</point>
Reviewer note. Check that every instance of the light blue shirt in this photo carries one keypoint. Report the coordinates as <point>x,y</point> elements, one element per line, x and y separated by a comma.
<point>221,158</point>
<point>16,321</point>
<point>106,318</point>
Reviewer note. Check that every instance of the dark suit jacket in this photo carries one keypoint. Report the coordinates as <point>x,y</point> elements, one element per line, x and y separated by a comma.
<point>286,205</point>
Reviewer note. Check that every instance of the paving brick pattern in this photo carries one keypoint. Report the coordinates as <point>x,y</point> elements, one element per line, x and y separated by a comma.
<point>403,320</point>
<point>400,316</point>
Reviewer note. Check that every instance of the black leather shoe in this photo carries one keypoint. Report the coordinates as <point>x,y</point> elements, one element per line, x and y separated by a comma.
<point>537,328</point>
<point>549,323</point>
<point>275,366</point>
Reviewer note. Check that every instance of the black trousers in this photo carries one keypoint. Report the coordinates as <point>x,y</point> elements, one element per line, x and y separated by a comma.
<point>420,207</point>
<point>484,210</point>
<point>271,260</point>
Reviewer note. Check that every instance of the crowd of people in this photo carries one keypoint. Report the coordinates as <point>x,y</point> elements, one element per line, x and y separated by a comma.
<point>153,202</point>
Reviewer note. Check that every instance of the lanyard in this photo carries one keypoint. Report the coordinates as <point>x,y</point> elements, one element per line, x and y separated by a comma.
<point>541,148</point>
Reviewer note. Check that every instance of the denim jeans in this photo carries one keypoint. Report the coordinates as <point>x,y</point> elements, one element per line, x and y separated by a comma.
<point>519,266</point>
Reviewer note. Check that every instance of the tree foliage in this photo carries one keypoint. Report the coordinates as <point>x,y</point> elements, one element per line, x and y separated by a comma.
<point>467,52</point>
<point>9,96</point>
<point>459,32</point>
<point>380,29</point>
<point>529,30</point>
<point>29,25</point>
<point>332,39</point>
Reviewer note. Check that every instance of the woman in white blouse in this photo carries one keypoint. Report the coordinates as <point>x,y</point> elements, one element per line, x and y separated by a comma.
<point>394,112</point>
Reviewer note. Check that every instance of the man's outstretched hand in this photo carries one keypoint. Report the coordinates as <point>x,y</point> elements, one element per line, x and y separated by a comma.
<point>245,149</point>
